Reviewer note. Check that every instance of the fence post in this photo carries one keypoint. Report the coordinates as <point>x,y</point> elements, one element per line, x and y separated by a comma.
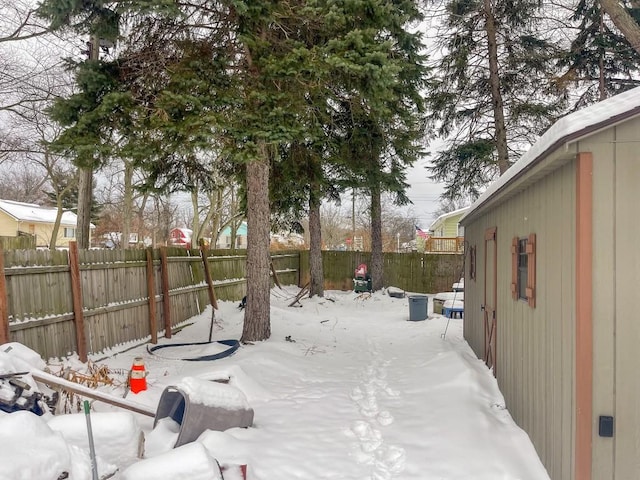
<point>166,302</point>
<point>207,275</point>
<point>76,293</point>
<point>151,287</point>
<point>4,307</point>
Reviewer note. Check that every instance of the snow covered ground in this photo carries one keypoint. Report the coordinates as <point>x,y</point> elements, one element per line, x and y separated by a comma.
<point>346,388</point>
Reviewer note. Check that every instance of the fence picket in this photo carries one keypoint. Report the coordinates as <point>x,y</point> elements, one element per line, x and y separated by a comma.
<point>119,288</point>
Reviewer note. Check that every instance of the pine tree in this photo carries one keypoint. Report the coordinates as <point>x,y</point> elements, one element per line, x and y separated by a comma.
<point>492,94</point>
<point>247,79</point>
<point>600,61</point>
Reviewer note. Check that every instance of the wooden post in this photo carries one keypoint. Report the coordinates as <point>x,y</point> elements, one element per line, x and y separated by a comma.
<point>76,293</point>
<point>4,307</point>
<point>151,288</point>
<point>166,303</point>
<point>275,275</point>
<point>584,419</point>
<point>207,275</point>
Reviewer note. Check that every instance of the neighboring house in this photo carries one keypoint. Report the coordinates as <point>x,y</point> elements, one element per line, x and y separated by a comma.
<point>225,240</point>
<point>447,225</point>
<point>27,218</point>
<point>445,233</point>
<point>180,237</point>
<point>551,286</point>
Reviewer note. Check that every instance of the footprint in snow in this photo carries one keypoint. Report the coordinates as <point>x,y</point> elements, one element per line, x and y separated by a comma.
<point>384,418</point>
<point>387,461</point>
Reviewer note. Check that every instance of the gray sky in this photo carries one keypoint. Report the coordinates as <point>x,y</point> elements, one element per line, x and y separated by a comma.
<point>424,193</point>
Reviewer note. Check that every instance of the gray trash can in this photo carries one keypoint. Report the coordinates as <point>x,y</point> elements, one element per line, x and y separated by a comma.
<point>418,307</point>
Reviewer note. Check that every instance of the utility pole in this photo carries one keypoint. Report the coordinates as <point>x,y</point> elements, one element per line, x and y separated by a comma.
<point>85,177</point>
<point>353,219</point>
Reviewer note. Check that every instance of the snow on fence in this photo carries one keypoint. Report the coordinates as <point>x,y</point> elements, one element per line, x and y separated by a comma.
<point>86,301</point>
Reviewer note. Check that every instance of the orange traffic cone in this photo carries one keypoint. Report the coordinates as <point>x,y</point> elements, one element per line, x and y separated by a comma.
<point>138,376</point>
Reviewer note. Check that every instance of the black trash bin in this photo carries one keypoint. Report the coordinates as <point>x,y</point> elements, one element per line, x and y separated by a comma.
<point>418,307</point>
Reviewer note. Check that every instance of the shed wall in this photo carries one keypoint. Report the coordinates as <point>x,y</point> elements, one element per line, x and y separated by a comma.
<point>535,346</point>
<point>616,274</point>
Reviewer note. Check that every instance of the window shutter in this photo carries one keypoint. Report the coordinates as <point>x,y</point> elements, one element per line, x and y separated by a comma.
<point>531,274</point>
<point>514,268</point>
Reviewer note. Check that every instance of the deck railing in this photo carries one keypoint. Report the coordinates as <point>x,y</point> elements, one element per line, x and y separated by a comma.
<point>444,245</point>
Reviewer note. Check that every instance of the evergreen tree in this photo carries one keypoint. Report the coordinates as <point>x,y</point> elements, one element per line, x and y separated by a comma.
<point>247,79</point>
<point>600,61</point>
<point>493,92</point>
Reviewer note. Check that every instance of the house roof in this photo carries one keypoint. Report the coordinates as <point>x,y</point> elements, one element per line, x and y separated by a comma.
<point>30,212</point>
<point>445,216</point>
<point>186,232</point>
<point>242,230</point>
<point>568,129</point>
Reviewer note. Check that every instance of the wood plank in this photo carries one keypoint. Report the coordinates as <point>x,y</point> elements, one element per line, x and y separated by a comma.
<point>151,289</point>
<point>76,293</point>
<point>207,275</point>
<point>166,304</point>
<point>79,389</point>
<point>4,307</point>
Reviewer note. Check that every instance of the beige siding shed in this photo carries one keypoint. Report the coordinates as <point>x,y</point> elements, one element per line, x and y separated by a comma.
<point>566,362</point>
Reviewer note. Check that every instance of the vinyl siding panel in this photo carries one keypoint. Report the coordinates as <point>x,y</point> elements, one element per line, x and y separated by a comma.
<point>447,227</point>
<point>8,226</point>
<point>535,346</point>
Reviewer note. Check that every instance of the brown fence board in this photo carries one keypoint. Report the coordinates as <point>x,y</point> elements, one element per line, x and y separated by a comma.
<point>412,272</point>
<point>115,292</point>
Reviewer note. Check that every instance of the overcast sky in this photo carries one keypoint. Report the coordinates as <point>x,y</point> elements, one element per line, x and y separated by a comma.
<point>424,193</point>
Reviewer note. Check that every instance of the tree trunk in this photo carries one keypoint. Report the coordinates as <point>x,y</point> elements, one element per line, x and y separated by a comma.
<point>257,324</point>
<point>315,245</point>
<point>195,222</point>
<point>85,183</point>
<point>496,95</point>
<point>127,207</point>
<point>56,224</point>
<point>377,268</point>
<point>623,21</point>
<point>85,191</point>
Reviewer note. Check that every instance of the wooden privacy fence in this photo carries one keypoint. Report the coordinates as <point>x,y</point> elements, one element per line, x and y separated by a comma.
<point>85,301</point>
<point>412,272</point>
<point>23,241</point>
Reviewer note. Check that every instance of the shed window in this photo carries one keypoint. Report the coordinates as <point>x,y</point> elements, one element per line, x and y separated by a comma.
<point>523,269</point>
<point>69,232</point>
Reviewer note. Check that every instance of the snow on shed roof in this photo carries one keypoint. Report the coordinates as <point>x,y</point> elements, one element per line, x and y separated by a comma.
<point>568,129</point>
<point>30,212</point>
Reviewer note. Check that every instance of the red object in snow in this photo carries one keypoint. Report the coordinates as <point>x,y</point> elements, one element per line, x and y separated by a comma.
<point>137,376</point>
<point>239,471</point>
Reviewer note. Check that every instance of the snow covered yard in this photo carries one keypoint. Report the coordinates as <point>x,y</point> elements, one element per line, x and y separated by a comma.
<point>346,388</point>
